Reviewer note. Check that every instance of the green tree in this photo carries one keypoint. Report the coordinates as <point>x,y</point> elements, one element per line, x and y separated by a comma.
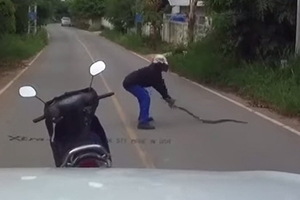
<point>7,18</point>
<point>254,29</point>
<point>153,11</point>
<point>61,9</point>
<point>43,13</point>
<point>88,9</point>
<point>120,13</point>
<point>45,10</point>
<point>21,15</point>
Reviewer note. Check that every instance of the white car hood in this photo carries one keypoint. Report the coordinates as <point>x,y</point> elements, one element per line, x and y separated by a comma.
<point>145,184</point>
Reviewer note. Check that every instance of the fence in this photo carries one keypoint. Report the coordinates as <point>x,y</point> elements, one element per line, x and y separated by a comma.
<point>106,23</point>
<point>177,32</point>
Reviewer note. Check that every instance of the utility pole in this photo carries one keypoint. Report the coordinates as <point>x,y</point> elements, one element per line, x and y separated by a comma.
<point>138,17</point>
<point>29,21</point>
<point>192,20</point>
<point>35,20</point>
<point>32,19</point>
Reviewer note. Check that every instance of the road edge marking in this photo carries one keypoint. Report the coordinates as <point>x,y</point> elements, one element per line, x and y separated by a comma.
<point>130,132</point>
<point>230,100</point>
<point>20,73</point>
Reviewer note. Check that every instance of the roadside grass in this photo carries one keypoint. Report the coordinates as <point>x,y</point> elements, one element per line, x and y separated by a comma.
<point>16,48</point>
<point>269,87</point>
<point>274,88</point>
<point>137,43</point>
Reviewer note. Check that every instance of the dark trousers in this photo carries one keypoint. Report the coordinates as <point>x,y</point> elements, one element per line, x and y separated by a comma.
<point>143,98</point>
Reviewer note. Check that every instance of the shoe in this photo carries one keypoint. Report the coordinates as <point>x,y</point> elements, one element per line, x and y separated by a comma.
<point>145,126</point>
<point>150,119</point>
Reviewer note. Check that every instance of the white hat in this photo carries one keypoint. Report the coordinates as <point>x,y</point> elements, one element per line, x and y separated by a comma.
<point>160,59</point>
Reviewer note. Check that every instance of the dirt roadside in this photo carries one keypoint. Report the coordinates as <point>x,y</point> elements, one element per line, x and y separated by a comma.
<point>10,71</point>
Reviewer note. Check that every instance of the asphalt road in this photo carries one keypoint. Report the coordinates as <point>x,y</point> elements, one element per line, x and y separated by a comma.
<point>179,141</point>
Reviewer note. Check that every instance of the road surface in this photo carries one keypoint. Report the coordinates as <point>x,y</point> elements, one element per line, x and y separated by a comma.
<point>179,141</point>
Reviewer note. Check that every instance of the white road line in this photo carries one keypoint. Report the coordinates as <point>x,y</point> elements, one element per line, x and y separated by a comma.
<point>36,57</point>
<point>232,101</point>
<point>129,130</point>
<point>19,74</point>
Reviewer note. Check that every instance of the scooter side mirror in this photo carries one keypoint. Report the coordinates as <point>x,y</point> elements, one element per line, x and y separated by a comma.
<point>27,91</point>
<point>97,67</point>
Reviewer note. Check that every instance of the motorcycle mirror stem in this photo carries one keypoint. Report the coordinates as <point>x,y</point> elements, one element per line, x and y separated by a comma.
<point>29,92</point>
<point>92,79</point>
<point>95,69</point>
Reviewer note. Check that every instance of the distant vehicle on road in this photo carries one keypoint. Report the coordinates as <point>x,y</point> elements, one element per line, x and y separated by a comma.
<point>66,21</point>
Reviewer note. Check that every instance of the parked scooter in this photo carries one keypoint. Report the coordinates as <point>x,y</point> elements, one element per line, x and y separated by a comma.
<point>77,137</point>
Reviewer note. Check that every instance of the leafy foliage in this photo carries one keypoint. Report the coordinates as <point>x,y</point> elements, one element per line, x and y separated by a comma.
<point>45,10</point>
<point>21,18</point>
<point>88,8</point>
<point>136,42</point>
<point>120,13</point>
<point>153,11</point>
<point>19,47</point>
<point>7,18</point>
<point>21,15</point>
<point>61,9</point>
<point>254,29</point>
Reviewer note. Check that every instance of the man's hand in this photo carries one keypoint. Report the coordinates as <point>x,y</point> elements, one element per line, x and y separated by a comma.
<point>171,102</point>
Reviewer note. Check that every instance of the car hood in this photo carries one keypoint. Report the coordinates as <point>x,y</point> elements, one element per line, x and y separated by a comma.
<point>145,184</point>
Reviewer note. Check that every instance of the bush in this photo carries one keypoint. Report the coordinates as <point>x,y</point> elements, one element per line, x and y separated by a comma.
<point>120,13</point>
<point>19,47</point>
<point>7,17</point>
<point>272,87</point>
<point>255,29</point>
<point>134,42</point>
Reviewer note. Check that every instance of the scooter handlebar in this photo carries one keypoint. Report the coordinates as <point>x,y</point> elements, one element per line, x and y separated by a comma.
<point>105,95</point>
<point>38,119</point>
